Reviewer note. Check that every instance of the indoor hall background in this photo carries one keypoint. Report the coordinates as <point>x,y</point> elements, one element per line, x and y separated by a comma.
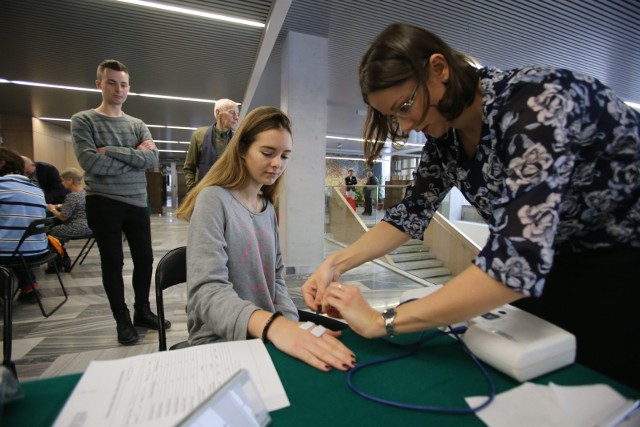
<point>62,42</point>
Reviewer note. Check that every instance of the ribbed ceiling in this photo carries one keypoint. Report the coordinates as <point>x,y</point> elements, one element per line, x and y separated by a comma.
<point>596,37</point>
<point>61,42</point>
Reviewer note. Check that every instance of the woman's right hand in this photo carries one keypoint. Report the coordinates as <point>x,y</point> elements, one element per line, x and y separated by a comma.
<point>324,352</point>
<point>313,289</point>
<point>380,240</point>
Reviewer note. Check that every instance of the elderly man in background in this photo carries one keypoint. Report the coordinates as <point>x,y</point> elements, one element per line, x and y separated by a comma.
<point>209,142</point>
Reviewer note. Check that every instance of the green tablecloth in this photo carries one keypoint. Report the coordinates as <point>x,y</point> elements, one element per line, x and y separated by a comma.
<point>440,374</point>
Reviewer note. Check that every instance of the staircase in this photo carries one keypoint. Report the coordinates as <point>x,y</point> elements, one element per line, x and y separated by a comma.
<point>414,258</point>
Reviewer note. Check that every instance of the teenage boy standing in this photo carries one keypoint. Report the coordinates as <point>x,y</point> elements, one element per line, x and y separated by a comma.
<point>114,149</point>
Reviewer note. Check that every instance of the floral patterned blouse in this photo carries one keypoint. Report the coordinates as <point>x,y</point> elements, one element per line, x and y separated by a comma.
<point>557,170</point>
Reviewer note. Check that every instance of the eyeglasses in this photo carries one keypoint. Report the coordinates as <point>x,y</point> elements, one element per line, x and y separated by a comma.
<point>402,111</point>
<point>405,109</point>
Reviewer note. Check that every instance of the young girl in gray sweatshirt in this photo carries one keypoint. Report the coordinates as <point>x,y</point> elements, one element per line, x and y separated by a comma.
<point>235,283</point>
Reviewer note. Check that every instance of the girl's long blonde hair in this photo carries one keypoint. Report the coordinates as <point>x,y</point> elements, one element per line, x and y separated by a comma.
<point>230,171</point>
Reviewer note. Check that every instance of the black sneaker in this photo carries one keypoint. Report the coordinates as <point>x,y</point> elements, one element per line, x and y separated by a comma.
<point>143,316</point>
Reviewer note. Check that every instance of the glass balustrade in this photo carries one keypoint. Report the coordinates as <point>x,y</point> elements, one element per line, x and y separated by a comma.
<point>347,214</point>
<point>348,217</point>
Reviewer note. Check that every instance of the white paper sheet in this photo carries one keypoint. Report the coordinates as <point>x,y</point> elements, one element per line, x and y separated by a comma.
<point>533,405</point>
<point>159,389</point>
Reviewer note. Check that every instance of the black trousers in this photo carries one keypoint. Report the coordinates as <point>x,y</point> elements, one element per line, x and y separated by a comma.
<point>368,205</point>
<point>595,295</point>
<point>108,219</point>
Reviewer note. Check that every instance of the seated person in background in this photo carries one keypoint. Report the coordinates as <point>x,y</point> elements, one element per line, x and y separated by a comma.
<point>72,213</point>
<point>234,264</point>
<point>47,177</point>
<point>21,202</point>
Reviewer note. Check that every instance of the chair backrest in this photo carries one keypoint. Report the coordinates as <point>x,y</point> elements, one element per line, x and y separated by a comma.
<point>37,226</point>
<point>171,270</point>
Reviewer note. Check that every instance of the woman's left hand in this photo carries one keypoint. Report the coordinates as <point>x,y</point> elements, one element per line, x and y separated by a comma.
<point>346,301</point>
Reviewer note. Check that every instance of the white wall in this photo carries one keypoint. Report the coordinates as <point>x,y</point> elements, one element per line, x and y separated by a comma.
<point>52,144</point>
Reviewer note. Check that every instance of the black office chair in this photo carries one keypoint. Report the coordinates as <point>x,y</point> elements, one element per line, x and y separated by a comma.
<point>38,226</point>
<point>88,244</point>
<point>171,270</point>
<point>7,284</point>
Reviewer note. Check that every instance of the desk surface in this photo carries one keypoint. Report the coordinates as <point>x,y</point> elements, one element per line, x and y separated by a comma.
<point>440,374</point>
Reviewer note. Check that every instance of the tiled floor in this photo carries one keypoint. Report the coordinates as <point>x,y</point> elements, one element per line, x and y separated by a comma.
<point>83,329</point>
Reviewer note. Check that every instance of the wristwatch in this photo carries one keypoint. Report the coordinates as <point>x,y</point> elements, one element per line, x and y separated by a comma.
<point>389,316</point>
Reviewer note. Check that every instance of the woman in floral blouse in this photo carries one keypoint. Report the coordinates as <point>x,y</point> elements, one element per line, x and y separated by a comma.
<point>549,158</point>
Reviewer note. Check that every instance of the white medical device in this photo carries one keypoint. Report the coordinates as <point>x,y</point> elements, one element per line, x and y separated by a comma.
<point>513,341</point>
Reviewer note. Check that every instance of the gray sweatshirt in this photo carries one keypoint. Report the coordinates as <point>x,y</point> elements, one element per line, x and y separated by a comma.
<point>234,267</point>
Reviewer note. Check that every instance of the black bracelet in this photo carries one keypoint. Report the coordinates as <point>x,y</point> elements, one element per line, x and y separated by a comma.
<point>268,325</point>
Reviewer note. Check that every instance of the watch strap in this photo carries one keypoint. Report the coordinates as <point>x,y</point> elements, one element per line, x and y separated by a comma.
<point>389,316</point>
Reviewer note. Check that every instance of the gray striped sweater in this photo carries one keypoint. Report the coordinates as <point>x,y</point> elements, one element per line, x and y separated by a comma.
<point>118,174</point>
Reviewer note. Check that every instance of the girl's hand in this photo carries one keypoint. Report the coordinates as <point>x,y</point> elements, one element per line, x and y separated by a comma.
<point>323,352</point>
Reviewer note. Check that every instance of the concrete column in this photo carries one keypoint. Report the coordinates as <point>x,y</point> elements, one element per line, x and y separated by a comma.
<point>304,87</point>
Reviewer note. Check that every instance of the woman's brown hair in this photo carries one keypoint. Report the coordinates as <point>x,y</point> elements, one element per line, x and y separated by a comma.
<point>399,53</point>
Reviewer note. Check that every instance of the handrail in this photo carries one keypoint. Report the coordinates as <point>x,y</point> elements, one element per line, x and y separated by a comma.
<point>449,244</point>
<point>343,224</point>
<point>446,241</point>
